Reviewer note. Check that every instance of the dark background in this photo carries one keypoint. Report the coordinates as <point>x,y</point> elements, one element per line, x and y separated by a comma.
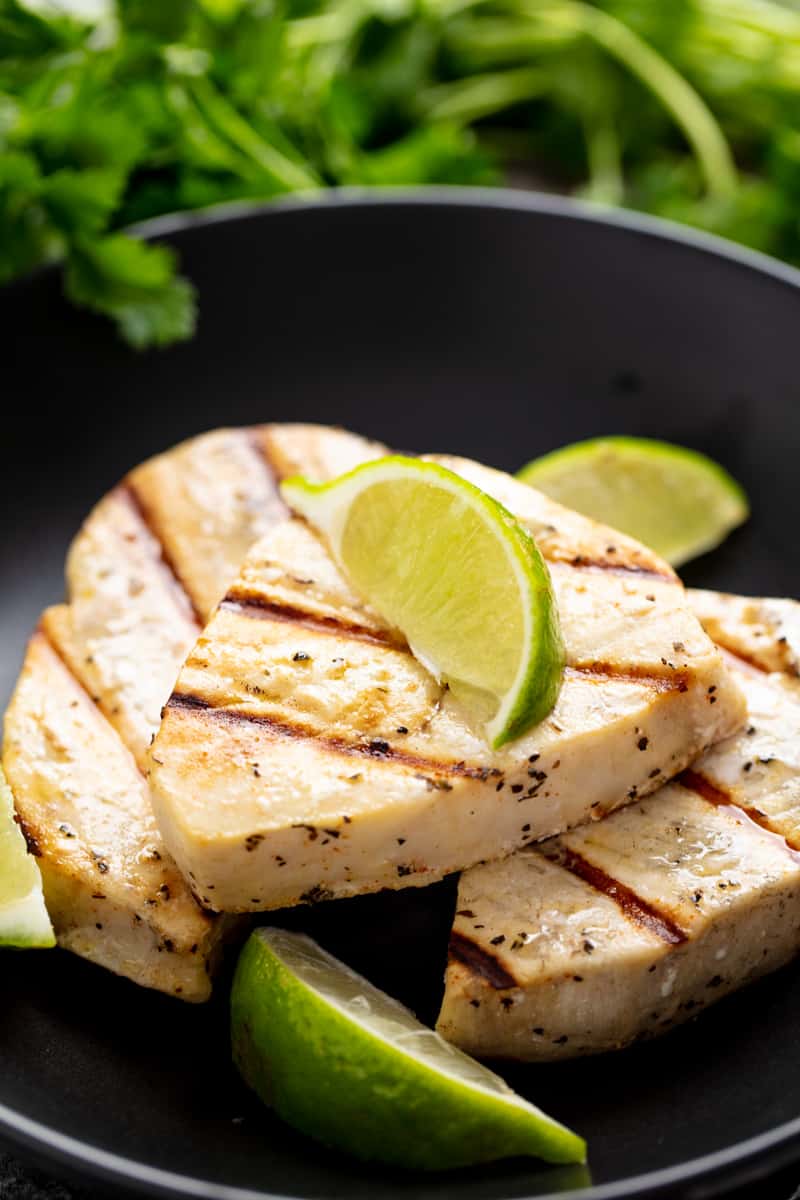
<point>497,332</point>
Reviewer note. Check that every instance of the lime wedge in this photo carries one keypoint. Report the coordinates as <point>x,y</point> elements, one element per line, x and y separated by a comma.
<point>350,1066</point>
<point>677,501</point>
<point>23,917</point>
<point>453,571</point>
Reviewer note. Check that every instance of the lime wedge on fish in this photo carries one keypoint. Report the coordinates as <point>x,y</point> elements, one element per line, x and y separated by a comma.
<point>675,500</point>
<point>348,1065</point>
<point>23,917</point>
<point>456,574</point>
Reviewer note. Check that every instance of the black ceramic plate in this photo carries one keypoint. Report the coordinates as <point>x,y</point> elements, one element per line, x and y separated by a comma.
<point>496,326</point>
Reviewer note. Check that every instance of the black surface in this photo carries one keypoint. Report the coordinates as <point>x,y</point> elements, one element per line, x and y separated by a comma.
<point>497,330</point>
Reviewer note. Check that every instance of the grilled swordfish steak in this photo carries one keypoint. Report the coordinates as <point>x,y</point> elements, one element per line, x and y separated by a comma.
<point>622,929</point>
<point>144,573</point>
<point>306,754</point>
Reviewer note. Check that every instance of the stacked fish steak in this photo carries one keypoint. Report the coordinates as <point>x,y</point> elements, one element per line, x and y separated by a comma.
<point>214,724</point>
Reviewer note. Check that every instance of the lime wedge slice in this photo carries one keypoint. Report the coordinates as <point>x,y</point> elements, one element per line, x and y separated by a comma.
<point>350,1066</point>
<point>677,501</point>
<point>453,571</point>
<point>23,917</point>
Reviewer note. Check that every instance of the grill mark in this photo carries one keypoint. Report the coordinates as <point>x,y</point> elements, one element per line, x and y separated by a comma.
<point>632,905</point>
<point>377,749</point>
<point>675,681</point>
<point>33,840</point>
<point>744,813</point>
<point>480,961</point>
<point>191,701</point>
<point>63,662</point>
<point>585,562</point>
<point>256,607</point>
<point>128,492</point>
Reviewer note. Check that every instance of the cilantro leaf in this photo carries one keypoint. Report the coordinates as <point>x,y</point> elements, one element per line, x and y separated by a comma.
<point>135,284</point>
<point>82,201</point>
<point>157,105</point>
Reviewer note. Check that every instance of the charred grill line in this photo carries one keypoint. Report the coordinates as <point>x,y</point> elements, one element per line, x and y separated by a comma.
<point>583,562</point>
<point>128,492</point>
<point>58,654</point>
<point>480,961</point>
<point>189,700</point>
<point>674,681</point>
<point>250,604</point>
<point>375,749</point>
<point>257,607</point>
<point>697,783</point>
<point>636,909</point>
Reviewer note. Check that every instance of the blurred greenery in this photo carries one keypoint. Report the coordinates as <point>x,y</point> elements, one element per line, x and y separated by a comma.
<point>111,113</point>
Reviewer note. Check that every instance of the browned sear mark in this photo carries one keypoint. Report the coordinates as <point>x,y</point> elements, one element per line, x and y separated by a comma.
<point>716,795</point>
<point>641,911</point>
<point>257,607</point>
<point>128,492</point>
<point>378,750</point>
<point>480,961</point>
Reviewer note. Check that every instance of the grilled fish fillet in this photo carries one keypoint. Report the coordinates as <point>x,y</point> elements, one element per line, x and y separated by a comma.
<point>305,754</point>
<point>145,571</point>
<point>620,930</point>
<point>765,633</point>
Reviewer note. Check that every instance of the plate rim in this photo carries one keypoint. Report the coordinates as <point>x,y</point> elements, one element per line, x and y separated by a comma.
<point>740,1163</point>
<point>459,196</point>
<point>745,1162</point>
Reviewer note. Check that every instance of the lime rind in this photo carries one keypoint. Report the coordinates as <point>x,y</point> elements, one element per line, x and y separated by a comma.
<point>359,1072</point>
<point>534,690</point>
<point>24,922</point>
<point>721,502</point>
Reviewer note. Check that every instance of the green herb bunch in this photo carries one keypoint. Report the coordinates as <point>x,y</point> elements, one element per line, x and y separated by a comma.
<point>114,113</point>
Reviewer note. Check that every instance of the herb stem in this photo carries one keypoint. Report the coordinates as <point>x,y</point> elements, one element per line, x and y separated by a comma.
<point>687,107</point>
<point>282,171</point>
<point>606,184</point>
<point>479,96</point>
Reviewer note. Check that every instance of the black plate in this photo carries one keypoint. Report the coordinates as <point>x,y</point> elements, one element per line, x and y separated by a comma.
<point>495,325</point>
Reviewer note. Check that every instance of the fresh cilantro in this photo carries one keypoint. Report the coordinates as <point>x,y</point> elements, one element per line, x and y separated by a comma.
<point>686,109</point>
